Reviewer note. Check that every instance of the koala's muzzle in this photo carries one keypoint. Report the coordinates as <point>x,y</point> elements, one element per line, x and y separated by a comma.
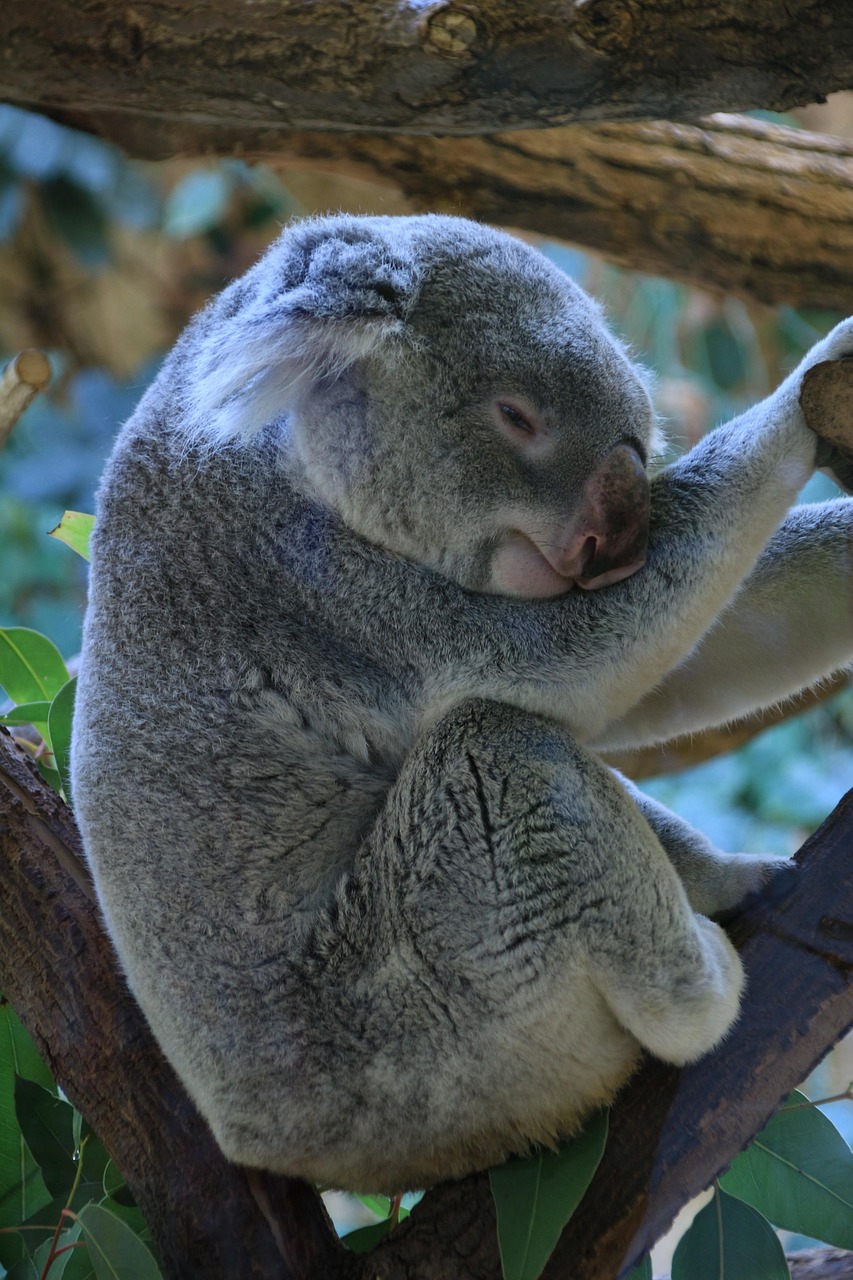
<point>612,531</point>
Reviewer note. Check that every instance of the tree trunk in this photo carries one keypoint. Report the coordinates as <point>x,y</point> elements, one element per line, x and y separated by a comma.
<point>441,67</point>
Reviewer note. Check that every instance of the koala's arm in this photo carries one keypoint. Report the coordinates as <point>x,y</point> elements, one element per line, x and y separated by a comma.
<point>713,512</point>
<point>790,625</point>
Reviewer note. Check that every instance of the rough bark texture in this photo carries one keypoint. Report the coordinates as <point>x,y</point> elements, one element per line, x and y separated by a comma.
<point>670,1134</point>
<point>440,67</point>
<point>731,203</point>
<point>740,205</point>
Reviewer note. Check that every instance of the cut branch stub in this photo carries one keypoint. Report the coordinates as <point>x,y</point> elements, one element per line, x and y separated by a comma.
<point>826,399</point>
<point>22,380</point>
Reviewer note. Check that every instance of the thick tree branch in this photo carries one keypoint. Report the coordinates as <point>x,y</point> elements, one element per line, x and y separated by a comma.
<point>438,67</point>
<point>731,203</point>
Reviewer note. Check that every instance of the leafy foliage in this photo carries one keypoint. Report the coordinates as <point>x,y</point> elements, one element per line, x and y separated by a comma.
<point>536,1195</point>
<point>799,1173</point>
<point>65,1212</point>
<point>728,1240</point>
<point>36,679</point>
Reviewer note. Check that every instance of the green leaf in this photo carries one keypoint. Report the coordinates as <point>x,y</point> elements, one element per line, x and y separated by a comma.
<point>79,1266</point>
<point>197,203</point>
<point>380,1205</point>
<point>113,1183</point>
<point>27,713</point>
<point>116,1253</point>
<point>22,1189</point>
<point>798,1172</point>
<point>59,1265</point>
<point>536,1195</point>
<point>77,218</point>
<point>24,1269</point>
<point>363,1239</point>
<point>47,1123</point>
<point>50,775</point>
<point>728,1240</point>
<point>59,721</point>
<point>31,666</point>
<point>75,530</point>
<point>642,1271</point>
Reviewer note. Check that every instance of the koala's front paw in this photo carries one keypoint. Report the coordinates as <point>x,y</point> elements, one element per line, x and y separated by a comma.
<point>837,344</point>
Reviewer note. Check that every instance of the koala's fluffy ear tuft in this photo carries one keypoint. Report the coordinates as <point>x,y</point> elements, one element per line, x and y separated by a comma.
<point>330,293</point>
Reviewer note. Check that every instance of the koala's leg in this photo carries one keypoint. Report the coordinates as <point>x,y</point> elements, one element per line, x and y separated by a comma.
<point>714,881</point>
<point>511,934</point>
<point>790,625</point>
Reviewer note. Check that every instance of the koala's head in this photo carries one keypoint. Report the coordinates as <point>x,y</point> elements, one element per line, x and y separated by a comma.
<point>446,390</point>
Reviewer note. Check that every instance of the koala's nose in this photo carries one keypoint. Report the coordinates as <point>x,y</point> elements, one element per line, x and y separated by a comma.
<point>611,533</point>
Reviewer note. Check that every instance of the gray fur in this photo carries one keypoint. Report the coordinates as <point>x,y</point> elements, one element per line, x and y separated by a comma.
<point>388,914</point>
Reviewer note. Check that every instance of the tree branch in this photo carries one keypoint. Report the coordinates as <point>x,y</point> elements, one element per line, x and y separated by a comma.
<point>444,66</point>
<point>21,381</point>
<point>732,203</point>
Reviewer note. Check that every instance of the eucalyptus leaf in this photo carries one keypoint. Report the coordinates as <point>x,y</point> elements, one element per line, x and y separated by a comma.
<point>22,1189</point>
<point>59,1264</point>
<point>31,666</point>
<point>50,775</point>
<point>363,1239</point>
<point>536,1195</point>
<point>59,722</point>
<point>116,1252</point>
<point>75,530</point>
<point>380,1205</point>
<point>47,1123</point>
<point>27,713</point>
<point>197,203</point>
<point>79,1266</point>
<point>24,1269</point>
<point>798,1172</point>
<point>642,1271</point>
<point>728,1240</point>
<point>77,218</point>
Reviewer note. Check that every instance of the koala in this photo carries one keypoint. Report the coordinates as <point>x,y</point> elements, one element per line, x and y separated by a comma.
<point>378,574</point>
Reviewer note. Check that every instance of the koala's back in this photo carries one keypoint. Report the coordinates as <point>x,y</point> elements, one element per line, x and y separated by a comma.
<point>231,749</point>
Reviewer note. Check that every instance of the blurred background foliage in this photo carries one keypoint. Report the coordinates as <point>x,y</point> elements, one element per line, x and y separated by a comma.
<point>102,261</point>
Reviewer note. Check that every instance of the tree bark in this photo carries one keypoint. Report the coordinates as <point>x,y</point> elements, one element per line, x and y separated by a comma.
<point>438,67</point>
<point>731,203</point>
<point>212,1221</point>
<point>735,204</point>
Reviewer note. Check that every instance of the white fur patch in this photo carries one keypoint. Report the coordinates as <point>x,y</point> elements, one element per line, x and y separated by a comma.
<point>254,374</point>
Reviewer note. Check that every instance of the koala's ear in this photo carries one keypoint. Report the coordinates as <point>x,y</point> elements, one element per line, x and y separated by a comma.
<point>327,294</point>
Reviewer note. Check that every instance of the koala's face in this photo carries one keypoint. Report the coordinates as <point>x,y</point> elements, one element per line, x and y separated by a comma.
<point>504,442</point>
<point>449,393</point>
